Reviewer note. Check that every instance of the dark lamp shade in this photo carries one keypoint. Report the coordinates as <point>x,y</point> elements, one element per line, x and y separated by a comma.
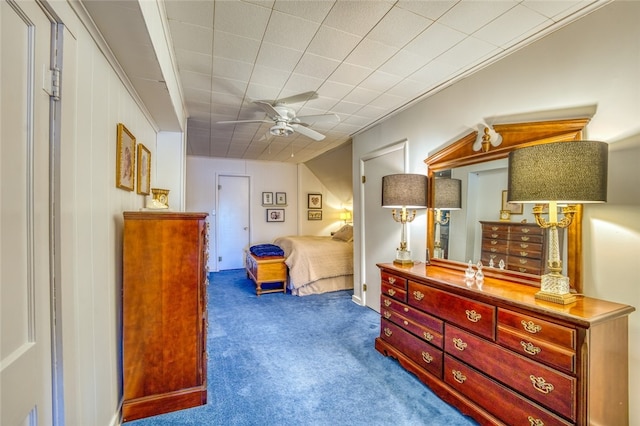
<point>572,172</point>
<point>404,190</point>
<point>447,194</point>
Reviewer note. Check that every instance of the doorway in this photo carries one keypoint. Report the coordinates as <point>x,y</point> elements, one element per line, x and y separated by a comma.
<point>233,221</point>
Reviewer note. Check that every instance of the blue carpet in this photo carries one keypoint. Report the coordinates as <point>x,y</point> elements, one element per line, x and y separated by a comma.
<point>285,360</point>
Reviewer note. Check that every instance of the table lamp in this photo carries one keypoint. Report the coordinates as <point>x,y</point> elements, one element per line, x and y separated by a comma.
<point>404,191</point>
<point>560,173</point>
<point>447,196</point>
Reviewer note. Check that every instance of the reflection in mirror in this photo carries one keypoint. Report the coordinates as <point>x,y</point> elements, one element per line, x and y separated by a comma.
<point>446,197</point>
<point>489,173</point>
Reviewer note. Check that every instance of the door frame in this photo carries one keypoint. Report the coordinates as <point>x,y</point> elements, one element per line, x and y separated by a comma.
<point>217,216</point>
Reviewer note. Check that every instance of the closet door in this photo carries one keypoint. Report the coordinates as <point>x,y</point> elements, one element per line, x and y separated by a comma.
<point>233,221</point>
<point>25,325</point>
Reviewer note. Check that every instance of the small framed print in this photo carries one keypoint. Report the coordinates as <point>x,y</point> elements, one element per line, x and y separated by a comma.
<point>125,158</point>
<point>314,201</point>
<point>144,170</point>
<point>514,208</point>
<point>281,198</point>
<point>267,198</point>
<point>314,215</point>
<point>275,215</point>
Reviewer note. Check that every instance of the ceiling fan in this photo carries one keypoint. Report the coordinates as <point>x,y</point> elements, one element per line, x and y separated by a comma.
<point>284,117</point>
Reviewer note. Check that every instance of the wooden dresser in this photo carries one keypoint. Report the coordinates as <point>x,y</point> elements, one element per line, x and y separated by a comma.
<point>501,356</point>
<point>522,246</point>
<point>164,308</point>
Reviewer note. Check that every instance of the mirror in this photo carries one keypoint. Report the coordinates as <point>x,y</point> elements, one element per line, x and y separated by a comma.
<point>488,164</point>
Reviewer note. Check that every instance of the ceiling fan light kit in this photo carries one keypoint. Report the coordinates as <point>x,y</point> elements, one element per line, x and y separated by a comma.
<point>281,129</point>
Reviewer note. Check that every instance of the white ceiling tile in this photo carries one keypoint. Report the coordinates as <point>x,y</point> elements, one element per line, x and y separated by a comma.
<point>257,91</point>
<point>403,63</point>
<point>433,41</point>
<point>510,25</point>
<point>315,11</point>
<point>241,18</point>
<point>197,81</point>
<point>193,12</point>
<point>350,74</point>
<point>316,66</point>
<point>278,57</point>
<point>555,9</point>
<point>370,54</point>
<point>234,47</point>
<point>333,43</point>
<point>432,9</point>
<point>380,81</point>
<point>385,101</point>
<point>191,37</point>
<point>466,52</point>
<point>299,83</point>
<point>228,86</point>
<point>282,26</point>
<point>357,17</point>
<point>469,16</point>
<point>361,95</point>
<point>226,68</point>
<point>193,61</point>
<point>346,108</point>
<point>269,77</point>
<point>399,27</point>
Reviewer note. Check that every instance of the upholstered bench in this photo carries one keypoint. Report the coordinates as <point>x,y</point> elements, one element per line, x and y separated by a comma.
<point>266,267</point>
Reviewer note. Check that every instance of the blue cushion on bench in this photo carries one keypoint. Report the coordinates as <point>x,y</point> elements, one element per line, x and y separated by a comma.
<point>263,250</point>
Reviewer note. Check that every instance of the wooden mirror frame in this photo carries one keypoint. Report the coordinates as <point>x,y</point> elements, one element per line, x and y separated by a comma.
<point>516,135</point>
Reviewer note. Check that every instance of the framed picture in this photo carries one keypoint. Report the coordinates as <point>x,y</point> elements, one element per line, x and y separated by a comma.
<point>513,208</point>
<point>314,201</point>
<point>314,215</point>
<point>144,170</point>
<point>267,198</point>
<point>275,215</point>
<point>125,158</point>
<point>281,198</point>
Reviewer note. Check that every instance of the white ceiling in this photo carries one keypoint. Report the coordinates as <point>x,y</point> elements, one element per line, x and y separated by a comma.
<point>365,59</point>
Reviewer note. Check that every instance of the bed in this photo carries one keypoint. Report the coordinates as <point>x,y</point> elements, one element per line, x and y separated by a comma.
<point>318,264</point>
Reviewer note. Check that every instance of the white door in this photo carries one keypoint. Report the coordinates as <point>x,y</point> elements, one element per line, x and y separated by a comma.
<point>233,221</point>
<point>25,333</point>
<point>379,242</point>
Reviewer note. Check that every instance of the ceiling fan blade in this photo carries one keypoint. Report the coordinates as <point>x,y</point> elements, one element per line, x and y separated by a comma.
<point>301,97</point>
<point>243,121</point>
<point>320,118</point>
<point>269,109</point>
<point>310,133</point>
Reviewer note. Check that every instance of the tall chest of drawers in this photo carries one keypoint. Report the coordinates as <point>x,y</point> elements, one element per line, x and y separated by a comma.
<point>522,246</point>
<point>501,356</point>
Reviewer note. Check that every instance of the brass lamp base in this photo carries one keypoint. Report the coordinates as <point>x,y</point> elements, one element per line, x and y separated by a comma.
<point>403,257</point>
<point>402,262</point>
<point>562,299</point>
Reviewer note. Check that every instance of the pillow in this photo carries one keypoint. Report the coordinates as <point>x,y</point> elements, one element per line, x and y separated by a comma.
<point>344,234</point>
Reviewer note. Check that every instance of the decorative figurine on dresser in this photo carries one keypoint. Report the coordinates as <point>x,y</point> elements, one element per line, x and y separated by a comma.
<point>164,309</point>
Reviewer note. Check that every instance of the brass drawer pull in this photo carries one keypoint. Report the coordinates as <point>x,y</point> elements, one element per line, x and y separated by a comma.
<point>531,327</point>
<point>387,314</point>
<point>494,242</point>
<point>473,316</point>
<point>529,348</point>
<point>494,235</point>
<point>418,295</point>
<point>391,280</point>
<point>391,292</point>
<point>387,303</point>
<point>406,309</point>
<point>524,245</point>
<point>459,344</point>
<point>524,253</point>
<point>522,269</point>
<point>523,261</point>
<point>426,357</point>
<point>494,228</point>
<point>535,422</point>
<point>525,230</point>
<point>427,336</point>
<point>387,332</point>
<point>525,238</point>
<point>458,376</point>
<point>541,385</point>
<point>405,322</point>
<point>493,249</point>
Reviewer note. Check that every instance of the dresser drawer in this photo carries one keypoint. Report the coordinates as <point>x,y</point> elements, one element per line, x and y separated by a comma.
<point>526,238</point>
<point>419,351</point>
<point>466,313</point>
<point>494,397</point>
<point>532,229</point>
<point>549,387</point>
<point>540,329</point>
<point>528,250</point>
<point>487,257</point>
<point>495,246</point>
<point>422,325</point>
<point>495,227</point>
<point>524,264</point>
<point>539,350</point>
<point>393,291</point>
<point>393,280</point>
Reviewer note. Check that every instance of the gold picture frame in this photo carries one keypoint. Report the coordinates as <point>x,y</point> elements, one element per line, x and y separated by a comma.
<point>513,208</point>
<point>144,170</point>
<point>125,159</point>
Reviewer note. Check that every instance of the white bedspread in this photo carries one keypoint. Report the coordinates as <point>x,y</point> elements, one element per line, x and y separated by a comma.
<point>312,258</point>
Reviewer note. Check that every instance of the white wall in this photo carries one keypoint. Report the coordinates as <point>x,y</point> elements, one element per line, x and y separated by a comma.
<point>94,100</point>
<point>591,65</point>
<point>169,170</point>
<point>296,180</point>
